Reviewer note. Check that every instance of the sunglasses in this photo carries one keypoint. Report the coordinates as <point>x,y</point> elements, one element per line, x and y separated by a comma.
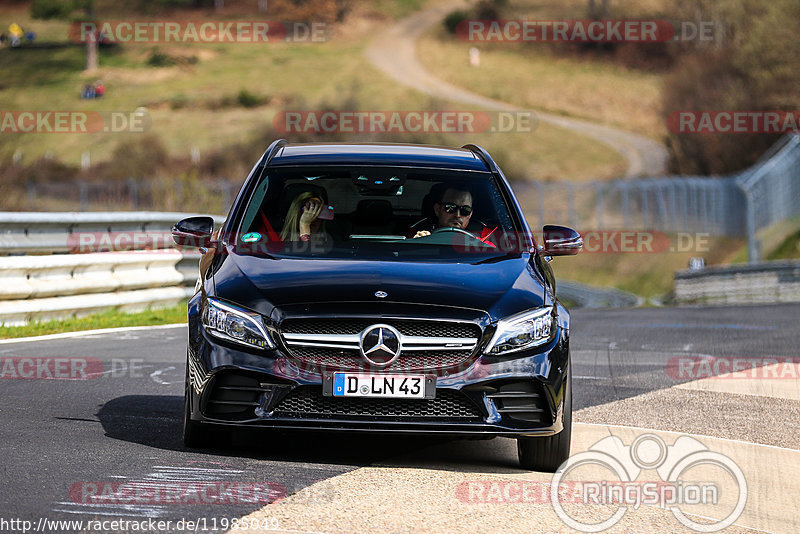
<point>449,207</point>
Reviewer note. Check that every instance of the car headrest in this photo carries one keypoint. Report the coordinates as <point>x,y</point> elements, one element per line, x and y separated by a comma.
<point>374,212</point>
<point>430,199</point>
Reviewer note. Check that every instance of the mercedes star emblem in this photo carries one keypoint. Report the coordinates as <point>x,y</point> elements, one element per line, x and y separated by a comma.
<point>380,345</point>
<point>381,294</point>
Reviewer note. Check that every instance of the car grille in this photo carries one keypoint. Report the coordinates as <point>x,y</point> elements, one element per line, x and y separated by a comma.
<point>308,402</point>
<point>351,360</point>
<point>356,326</point>
<point>345,355</point>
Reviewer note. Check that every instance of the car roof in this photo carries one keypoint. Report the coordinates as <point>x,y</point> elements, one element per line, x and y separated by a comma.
<point>378,154</point>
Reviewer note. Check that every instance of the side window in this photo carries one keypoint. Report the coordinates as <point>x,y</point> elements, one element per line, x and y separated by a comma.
<point>255,204</point>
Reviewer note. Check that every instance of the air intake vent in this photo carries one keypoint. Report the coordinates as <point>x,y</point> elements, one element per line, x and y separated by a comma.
<point>523,401</point>
<point>308,402</point>
<point>233,397</point>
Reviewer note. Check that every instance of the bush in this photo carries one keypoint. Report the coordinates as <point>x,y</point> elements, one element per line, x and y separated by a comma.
<point>159,59</point>
<point>246,99</point>
<point>139,159</point>
<point>455,18</point>
<point>488,9</point>
<point>753,69</point>
<point>52,9</point>
<point>704,82</point>
<point>178,101</point>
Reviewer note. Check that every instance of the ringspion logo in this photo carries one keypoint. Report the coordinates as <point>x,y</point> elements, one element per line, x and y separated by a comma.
<point>689,475</point>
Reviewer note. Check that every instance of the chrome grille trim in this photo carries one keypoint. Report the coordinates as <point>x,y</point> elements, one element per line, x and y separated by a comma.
<point>352,342</point>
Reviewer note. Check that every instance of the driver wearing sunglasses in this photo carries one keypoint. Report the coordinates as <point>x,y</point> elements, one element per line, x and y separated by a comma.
<point>454,210</point>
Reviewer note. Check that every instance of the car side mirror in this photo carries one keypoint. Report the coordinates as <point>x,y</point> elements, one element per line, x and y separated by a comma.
<point>561,241</point>
<point>194,232</point>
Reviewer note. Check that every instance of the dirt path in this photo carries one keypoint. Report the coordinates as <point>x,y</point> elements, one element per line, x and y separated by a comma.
<point>394,52</point>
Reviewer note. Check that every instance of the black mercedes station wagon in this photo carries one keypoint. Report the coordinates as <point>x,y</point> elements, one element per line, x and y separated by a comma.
<point>379,288</point>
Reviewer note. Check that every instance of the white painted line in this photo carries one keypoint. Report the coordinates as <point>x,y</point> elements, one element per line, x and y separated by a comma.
<point>132,510</point>
<point>152,515</point>
<point>716,519</point>
<point>156,375</point>
<point>198,469</point>
<point>82,333</point>
<point>589,377</point>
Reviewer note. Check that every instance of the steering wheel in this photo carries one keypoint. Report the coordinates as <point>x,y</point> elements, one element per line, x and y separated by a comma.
<point>443,229</point>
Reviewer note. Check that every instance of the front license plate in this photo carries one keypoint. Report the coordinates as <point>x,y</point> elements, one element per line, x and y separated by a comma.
<point>392,386</point>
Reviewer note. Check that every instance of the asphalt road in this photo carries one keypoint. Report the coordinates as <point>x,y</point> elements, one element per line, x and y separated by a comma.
<point>64,441</point>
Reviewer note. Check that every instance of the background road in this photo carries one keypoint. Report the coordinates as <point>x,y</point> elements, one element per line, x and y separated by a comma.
<point>126,424</point>
<point>394,52</point>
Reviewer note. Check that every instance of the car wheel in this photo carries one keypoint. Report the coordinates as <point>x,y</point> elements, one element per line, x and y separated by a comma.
<point>547,454</point>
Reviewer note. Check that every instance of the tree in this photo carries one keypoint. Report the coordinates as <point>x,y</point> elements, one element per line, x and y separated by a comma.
<point>63,9</point>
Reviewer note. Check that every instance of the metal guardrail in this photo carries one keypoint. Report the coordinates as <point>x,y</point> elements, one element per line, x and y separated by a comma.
<point>51,267</point>
<point>61,232</point>
<point>734,205</point>
<point>777,281</point>
<point>596,297</point>
<point>771,190</point>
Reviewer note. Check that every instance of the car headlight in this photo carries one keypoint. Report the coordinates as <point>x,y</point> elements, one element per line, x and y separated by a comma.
<point>235,324</point>
<point>522,331</point>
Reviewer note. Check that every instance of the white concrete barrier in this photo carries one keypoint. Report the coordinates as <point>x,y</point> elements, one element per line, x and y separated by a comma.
<point>777,281</point>
<point>40,279</point>
<point>20,312</point>
<point>27,277</point>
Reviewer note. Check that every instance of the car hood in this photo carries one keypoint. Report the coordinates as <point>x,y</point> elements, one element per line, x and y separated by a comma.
<point>495,287</point>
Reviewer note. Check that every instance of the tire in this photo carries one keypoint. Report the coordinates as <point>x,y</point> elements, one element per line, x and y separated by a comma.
<point>548,453</point>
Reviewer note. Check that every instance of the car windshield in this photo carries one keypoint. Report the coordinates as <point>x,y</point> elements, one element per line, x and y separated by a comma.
<point>377,213</point>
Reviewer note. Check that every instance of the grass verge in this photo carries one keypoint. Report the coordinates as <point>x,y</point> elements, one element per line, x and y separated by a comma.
<point>648,275</point>
<point>532,76</point>
<point>194,105</point>
<point>107,319</point>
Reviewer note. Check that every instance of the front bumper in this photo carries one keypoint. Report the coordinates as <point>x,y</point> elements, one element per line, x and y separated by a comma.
<point>515,397</point>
